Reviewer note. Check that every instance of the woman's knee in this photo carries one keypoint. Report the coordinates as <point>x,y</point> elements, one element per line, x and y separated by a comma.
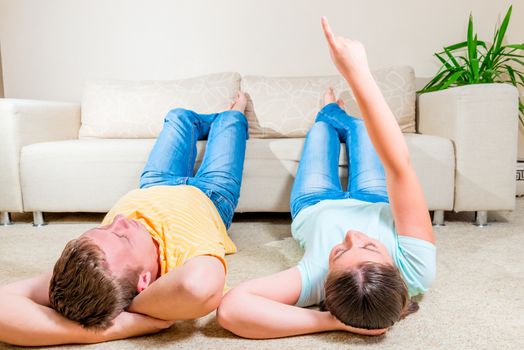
<point>321,130</point>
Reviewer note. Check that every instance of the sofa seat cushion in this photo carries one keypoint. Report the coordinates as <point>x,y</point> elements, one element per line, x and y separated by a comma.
<point>433,159</point>
<point>91,175</point>
<point>287,106</point>
<point>136,109</point>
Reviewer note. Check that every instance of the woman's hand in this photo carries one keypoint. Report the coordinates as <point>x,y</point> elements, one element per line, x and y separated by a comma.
<point>128,324</point>
<point>338,325</point>
<point>348,55</point>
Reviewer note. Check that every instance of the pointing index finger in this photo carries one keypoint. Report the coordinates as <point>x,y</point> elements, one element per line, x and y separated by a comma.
<point>327,31</point>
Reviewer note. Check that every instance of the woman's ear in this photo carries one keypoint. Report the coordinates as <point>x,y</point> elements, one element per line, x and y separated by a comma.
<point>144,280</point>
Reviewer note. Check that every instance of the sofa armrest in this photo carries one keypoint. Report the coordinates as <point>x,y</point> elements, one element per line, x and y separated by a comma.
<point>481,121</point>
<point>24,122</point>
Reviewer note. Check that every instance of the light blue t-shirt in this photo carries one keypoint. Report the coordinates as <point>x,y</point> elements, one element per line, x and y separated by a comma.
<point>320,227</point>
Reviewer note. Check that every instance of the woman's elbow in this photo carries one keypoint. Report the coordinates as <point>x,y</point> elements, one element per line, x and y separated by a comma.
<point>226,314</point>
<point>229,314</point>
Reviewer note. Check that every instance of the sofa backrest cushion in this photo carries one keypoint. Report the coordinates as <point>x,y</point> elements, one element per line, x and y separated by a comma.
<point>136,109</point>
<point>287,106</point>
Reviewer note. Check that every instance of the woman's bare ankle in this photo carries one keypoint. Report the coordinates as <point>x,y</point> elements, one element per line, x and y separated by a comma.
<point>329,96</point>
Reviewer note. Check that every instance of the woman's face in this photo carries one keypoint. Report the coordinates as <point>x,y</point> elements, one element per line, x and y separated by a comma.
<point>356,248</point>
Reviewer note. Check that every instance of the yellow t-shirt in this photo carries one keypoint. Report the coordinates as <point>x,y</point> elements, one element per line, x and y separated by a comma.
<point>181,219</point>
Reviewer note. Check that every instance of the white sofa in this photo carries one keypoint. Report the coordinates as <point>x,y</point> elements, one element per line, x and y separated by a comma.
<point>67,157</point>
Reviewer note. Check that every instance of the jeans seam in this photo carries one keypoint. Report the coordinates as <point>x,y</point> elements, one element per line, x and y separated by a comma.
<point>193,150</point>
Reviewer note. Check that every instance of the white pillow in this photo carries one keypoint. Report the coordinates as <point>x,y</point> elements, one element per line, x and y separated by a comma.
<point>287,106</point>
<point>136,109</point>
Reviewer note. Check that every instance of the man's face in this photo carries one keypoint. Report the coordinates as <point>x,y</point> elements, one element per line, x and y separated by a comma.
<point>126,244</point>
<point>356,248</point>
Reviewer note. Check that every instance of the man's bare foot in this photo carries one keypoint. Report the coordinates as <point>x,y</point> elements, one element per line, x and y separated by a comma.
<point>329,97</point>
<point>239,103</point>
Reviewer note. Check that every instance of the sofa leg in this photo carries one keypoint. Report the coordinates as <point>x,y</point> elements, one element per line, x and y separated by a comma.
<point>438,218</point>
<point>5,218</point>
<point>38,219</point>
<point>481,218</point>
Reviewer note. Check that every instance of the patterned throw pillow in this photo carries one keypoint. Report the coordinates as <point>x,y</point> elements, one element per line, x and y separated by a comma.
<point>136,109</point>
<point>287,106</point>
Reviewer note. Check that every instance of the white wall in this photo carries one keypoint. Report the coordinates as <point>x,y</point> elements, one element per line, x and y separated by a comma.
<point>49,47</point>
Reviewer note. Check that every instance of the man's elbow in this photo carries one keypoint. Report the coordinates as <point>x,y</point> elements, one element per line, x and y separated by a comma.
<point>205,296</point>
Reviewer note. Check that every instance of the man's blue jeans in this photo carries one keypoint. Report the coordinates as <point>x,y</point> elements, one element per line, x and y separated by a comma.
<point>317,175</point>
<point>172,160</point>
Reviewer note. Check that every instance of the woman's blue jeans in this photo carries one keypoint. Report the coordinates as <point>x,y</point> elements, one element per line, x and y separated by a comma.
<point>317,175</point>
<point>172,160</point>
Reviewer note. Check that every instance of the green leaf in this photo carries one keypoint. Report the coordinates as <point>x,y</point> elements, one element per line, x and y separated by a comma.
<point>430,86</point>
<point>497,74</point>
<point>495,37</point>
<point>521,78</point>
<point>510,55</point>
<point>437,82</point>
<point>516,46</point>
<point>462,45</point>
<point>452,58</point>
<point>444,62</point>
<point>507,60</point>
<point>465,60</point>
<point>452,79</point>
<point>510,51</point>
<point>501,57</point>
<point>488,76</point>
<point>517,61</point>
<point>472,45</point>
<point>503,28</point>
<point>475,69</point>
<point>473,60</point>
<point>486,62</point>
<point>511,74</point>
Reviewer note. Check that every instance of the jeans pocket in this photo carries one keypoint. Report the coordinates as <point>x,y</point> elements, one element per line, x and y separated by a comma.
<point>223,206</point>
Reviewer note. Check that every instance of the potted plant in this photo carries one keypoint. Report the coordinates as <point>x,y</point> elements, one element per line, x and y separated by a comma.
<point>474,62</point>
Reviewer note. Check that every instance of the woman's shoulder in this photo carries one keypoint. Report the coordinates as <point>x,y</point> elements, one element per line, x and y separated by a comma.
<point>417,263</point>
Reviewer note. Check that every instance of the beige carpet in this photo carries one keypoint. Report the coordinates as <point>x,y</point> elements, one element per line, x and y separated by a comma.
<point>476,302</point>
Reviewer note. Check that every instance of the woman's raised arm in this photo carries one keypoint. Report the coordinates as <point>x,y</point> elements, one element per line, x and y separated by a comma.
<point>405,193</point>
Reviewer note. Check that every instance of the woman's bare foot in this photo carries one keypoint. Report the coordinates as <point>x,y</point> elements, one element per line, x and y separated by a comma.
<point>239,103</point>
<point>329,97</point>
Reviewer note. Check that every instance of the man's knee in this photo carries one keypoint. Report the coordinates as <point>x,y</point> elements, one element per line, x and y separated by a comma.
<point>231,118</point>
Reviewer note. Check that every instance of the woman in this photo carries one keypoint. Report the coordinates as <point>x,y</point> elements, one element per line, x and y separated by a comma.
<point>368,249</point>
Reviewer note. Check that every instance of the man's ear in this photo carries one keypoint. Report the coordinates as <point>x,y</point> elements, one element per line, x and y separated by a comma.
<point>144,280</point>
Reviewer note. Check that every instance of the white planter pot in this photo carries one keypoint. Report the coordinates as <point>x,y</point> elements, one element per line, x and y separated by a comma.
<point>481,122</point>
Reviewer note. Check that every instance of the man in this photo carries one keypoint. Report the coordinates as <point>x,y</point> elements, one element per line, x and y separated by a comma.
<point>158,255</point>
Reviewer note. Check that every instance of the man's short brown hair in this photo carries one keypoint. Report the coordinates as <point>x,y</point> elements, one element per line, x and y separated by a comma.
<point>84,290</point>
